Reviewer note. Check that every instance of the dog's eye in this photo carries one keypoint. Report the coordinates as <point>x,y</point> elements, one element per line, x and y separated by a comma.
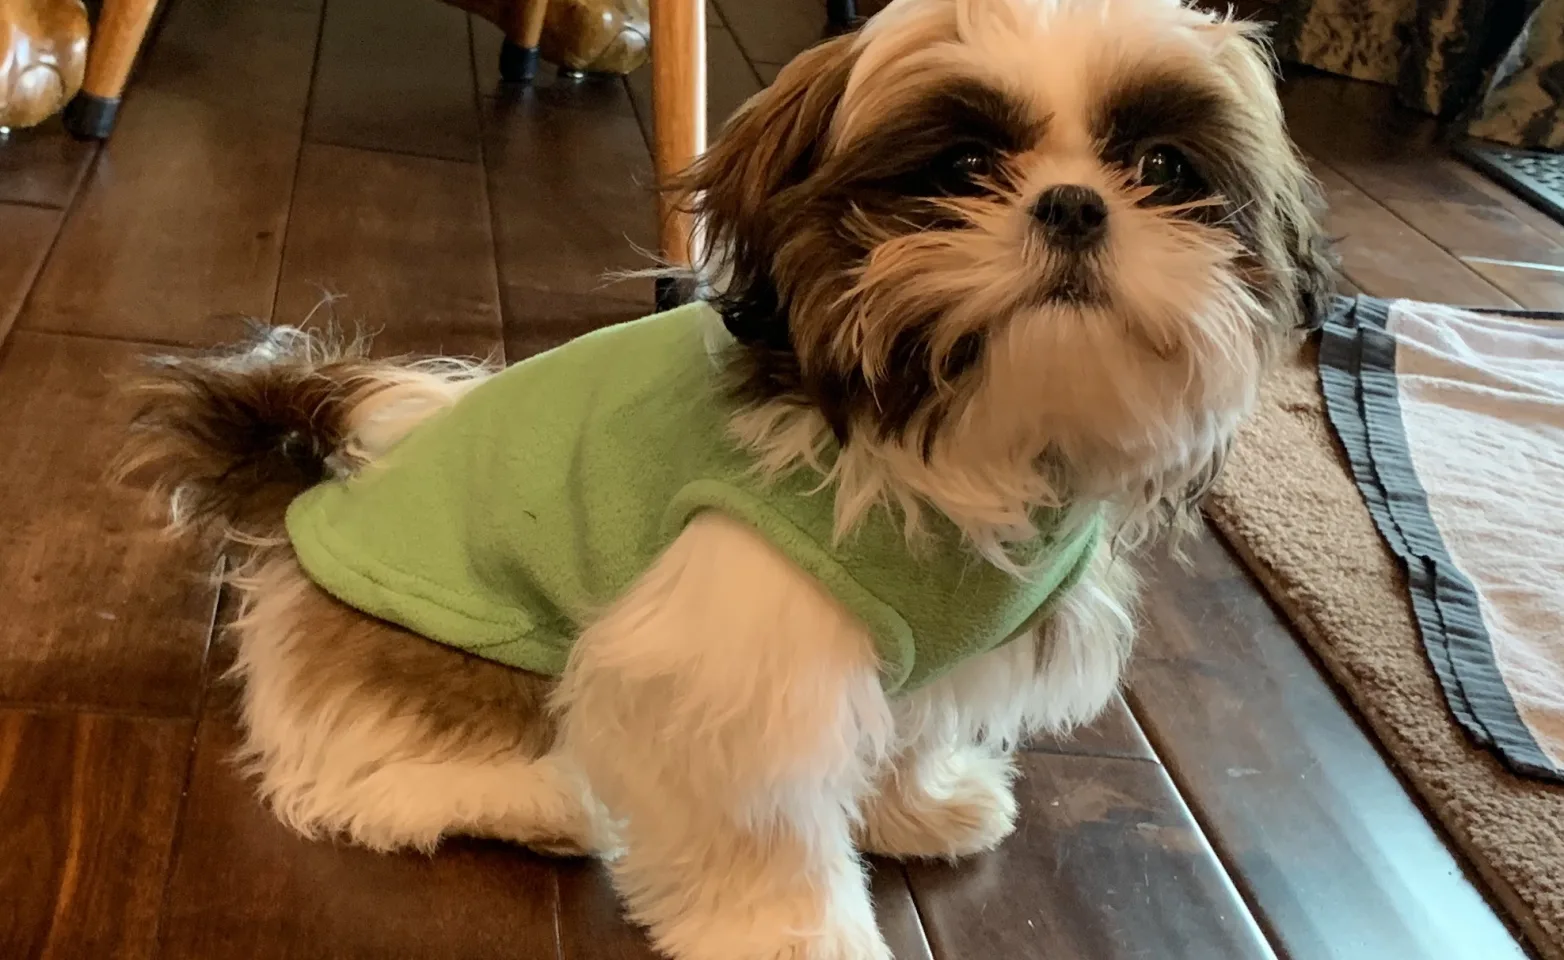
<point>1169,172</point>
<point>960,170</point>
<point>969,162</point>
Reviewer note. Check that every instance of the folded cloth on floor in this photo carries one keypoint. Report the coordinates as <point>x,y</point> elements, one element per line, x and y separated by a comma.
<point>1453,423</point>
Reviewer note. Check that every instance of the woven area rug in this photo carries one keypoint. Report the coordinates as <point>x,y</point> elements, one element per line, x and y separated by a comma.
<point>1289,505</point>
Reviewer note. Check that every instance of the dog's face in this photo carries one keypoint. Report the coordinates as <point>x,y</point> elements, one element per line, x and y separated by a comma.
<point>1058,228</point>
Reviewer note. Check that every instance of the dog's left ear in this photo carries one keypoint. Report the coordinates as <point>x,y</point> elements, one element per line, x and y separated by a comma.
<point>1316,268</point>
<point>737,190</point>
<point>1296,204</point>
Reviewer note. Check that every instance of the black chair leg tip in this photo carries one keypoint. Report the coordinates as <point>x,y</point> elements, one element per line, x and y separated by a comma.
<point>841,14</point>
<point>671,292</point>
<point>91,118</point>
<point>518,64</point>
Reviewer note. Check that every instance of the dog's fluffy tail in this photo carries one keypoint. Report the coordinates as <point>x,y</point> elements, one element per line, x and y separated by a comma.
<point>227,440</point>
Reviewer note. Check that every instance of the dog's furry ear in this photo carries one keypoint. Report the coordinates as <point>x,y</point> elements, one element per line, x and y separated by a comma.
<point>1316,268</point>
<point>737,189</point>
<point>1296,203</point>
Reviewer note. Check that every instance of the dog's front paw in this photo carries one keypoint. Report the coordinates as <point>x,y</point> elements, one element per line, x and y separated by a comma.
<point>846,942</point>
<point>830,919</point>
<point>837,945</point>
<point>960,805</point>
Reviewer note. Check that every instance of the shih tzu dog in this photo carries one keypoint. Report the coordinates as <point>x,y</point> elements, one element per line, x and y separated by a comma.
<point>734,594</point>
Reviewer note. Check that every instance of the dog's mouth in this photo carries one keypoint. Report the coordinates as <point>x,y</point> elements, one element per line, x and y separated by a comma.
<point>1076,282</point>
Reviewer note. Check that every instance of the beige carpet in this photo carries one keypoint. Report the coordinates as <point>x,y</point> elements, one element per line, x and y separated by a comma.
<point>1289,506</point>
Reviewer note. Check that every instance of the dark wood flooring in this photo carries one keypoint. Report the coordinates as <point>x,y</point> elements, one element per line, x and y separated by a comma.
<point>281,156</point>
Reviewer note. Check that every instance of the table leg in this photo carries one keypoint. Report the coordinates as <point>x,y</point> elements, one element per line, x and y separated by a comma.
<point>519,54</point>
<point>841,13</point>
<point>678,117</point>
<point>116,39</point>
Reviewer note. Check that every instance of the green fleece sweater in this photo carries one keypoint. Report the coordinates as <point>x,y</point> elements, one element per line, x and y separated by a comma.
<point>502,525</point>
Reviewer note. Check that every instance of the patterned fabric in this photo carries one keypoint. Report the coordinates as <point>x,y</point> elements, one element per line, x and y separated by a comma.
<point>1525,102</point>
<point>1494,67</point>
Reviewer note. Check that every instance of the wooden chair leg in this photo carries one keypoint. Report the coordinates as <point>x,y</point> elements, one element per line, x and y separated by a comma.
<point>519,54</point>
<point>678,117</point>
<point>116,39</point>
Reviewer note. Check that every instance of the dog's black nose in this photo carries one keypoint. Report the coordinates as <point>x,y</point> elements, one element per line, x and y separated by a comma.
<point>1072,216</point>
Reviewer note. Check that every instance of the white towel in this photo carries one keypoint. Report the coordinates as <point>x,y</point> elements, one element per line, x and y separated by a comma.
<point>1482,407</point>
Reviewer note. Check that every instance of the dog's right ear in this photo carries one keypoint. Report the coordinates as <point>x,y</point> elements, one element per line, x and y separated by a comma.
<point>737,190</point>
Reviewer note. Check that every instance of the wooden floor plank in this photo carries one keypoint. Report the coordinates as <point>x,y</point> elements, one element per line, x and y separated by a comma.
<point>770,32</point>
<point>1332,851</point>
<point>591,924</point>
<point>1114,734</point>
<point>100,609</point>
<point>87,812</point>
<point>244,887</point>
<point>1532,284</point>
<point>25,236</point>
<point>1518,208</point>
<point>1386,257</point>
<point>43,165</point>
<point>1395,157</point>
<point>734,78</point>
<point>1106,864</point>
<point>403,240</point>
<point>182,216</point>
<point>396,75</point>
<point>486,41</point>
<point>896,911</point>
<point>576,147</point>
<point>1439,197</point>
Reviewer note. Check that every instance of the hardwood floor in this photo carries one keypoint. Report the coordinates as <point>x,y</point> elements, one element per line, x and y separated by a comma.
<point>101,611</point>
<point>1326,846</point>
<point>90,805</point>
<point>274,151</point>
<point>354,211</point>
<point>181,219</point>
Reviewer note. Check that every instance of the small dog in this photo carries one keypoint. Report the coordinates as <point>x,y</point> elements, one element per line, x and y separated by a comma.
<point>731,595</point>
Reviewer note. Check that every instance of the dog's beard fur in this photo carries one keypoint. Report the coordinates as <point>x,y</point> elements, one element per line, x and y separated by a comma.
<point>918,338</point>
<point>926,353</point>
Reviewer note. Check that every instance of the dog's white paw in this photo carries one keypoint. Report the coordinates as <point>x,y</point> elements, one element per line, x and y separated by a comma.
<point>829,920</point>
<point>961,806</point>
<point>577,830</point>
<point>844,942</point>
<point>847,945</point>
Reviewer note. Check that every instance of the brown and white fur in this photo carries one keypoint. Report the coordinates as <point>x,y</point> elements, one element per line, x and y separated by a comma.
<point>893,286</point>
